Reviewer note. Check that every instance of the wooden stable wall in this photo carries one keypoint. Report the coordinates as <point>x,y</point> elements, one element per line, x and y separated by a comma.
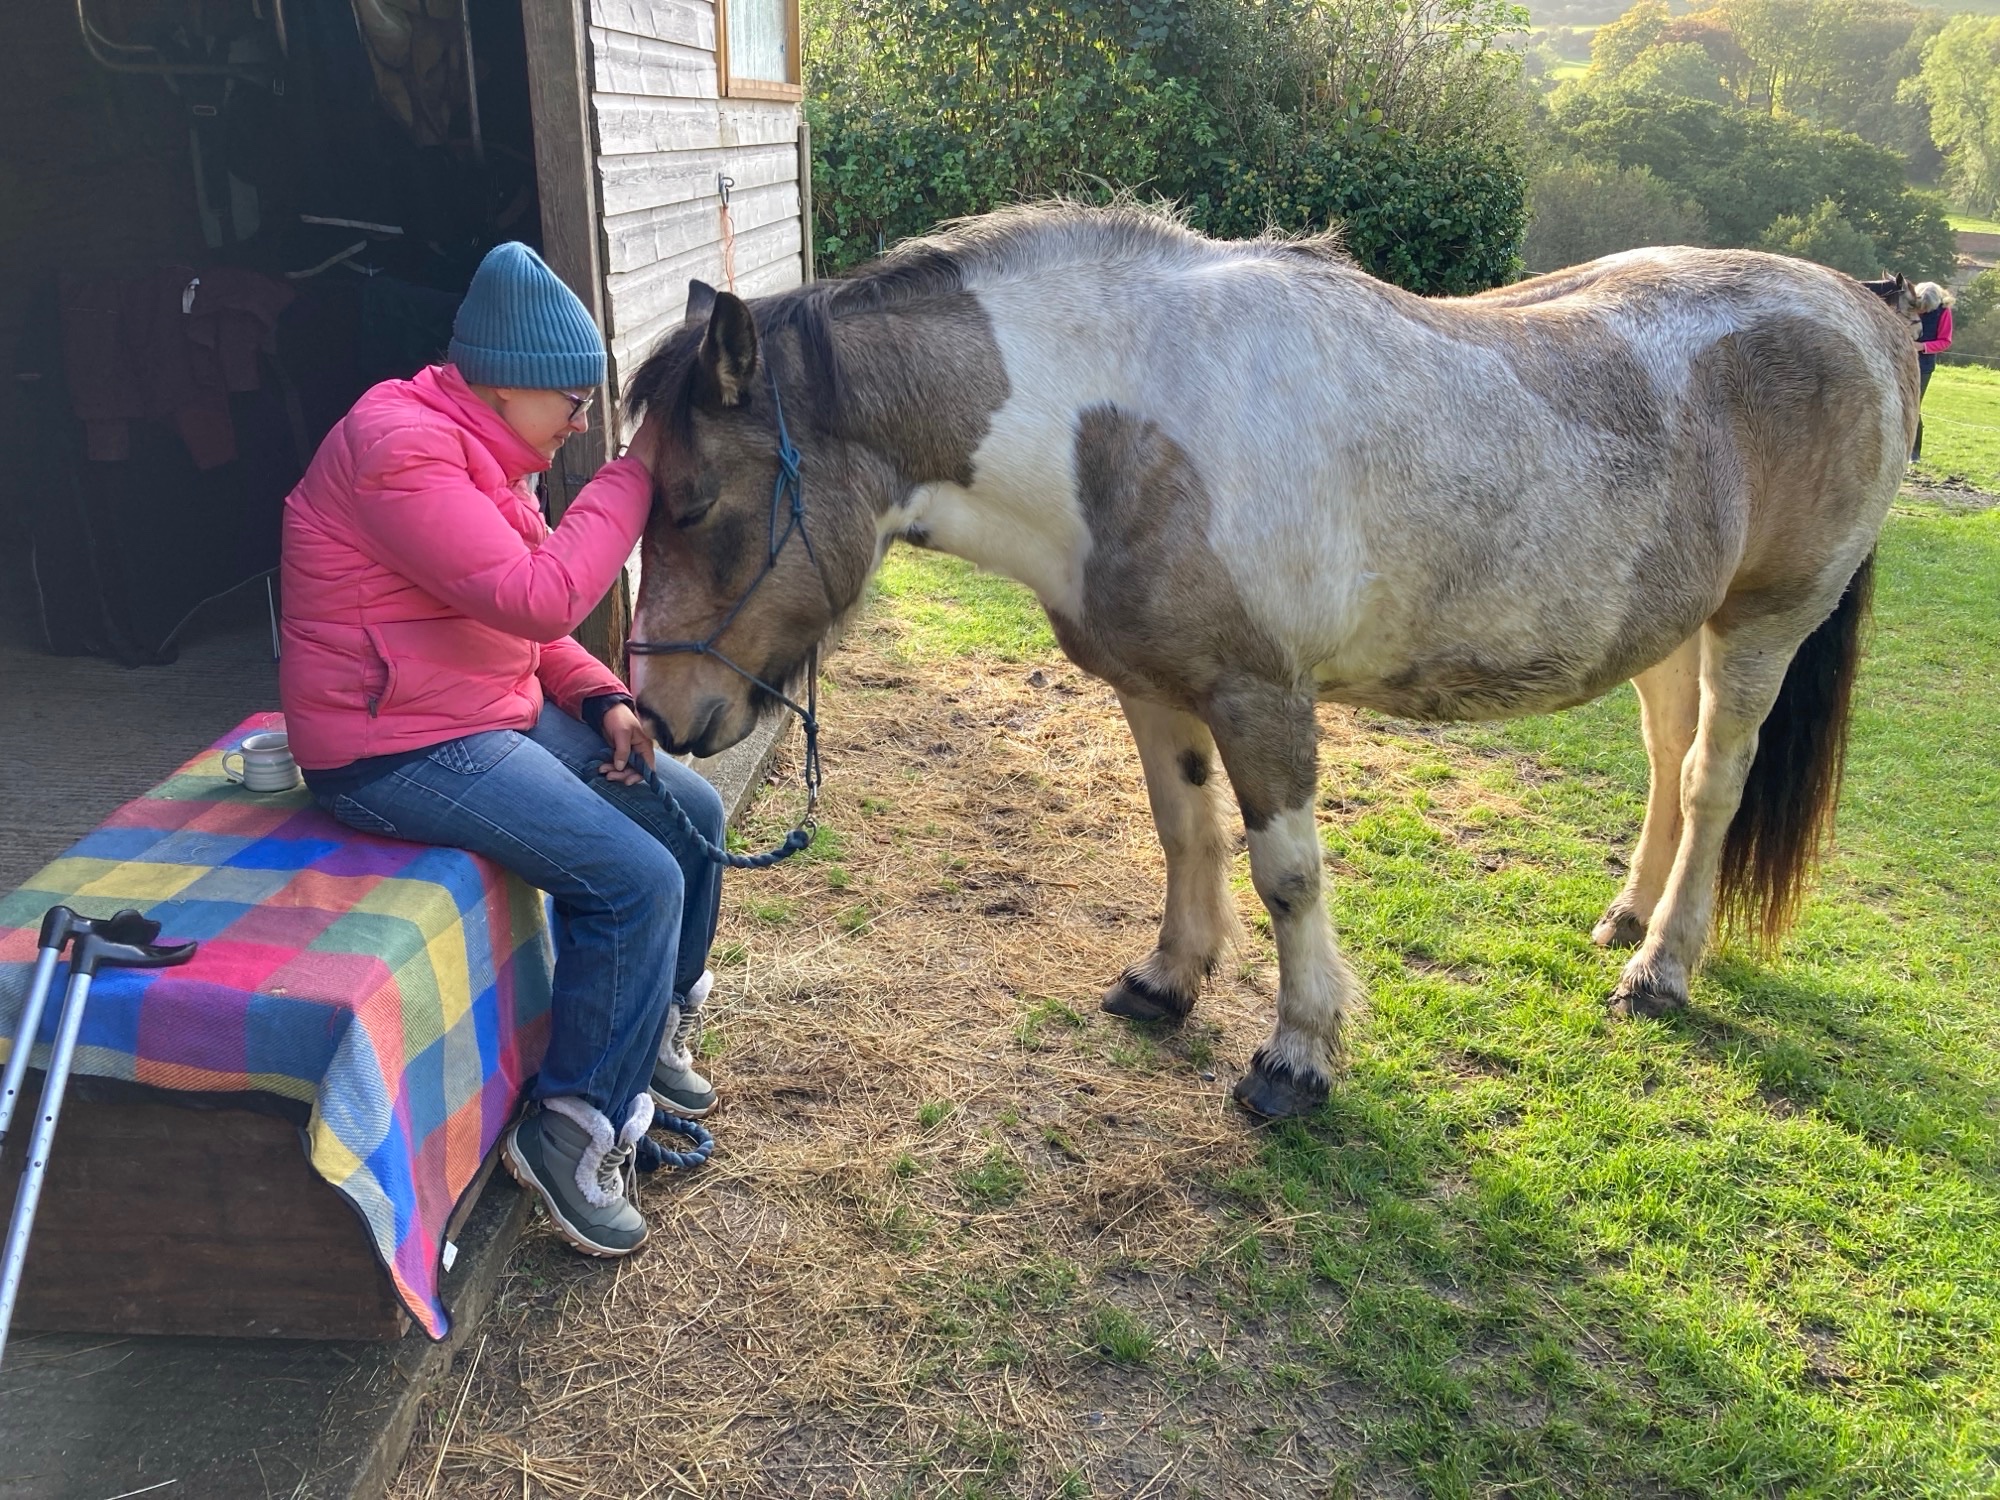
<point>663,135</point>
<point>631,135</point>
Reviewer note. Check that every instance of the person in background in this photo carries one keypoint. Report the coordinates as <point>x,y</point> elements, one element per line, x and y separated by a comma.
<point>1933,338</point>
<point>432,693</point>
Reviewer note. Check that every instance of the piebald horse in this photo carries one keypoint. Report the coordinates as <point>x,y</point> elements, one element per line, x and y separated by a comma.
<point>1242,477</point>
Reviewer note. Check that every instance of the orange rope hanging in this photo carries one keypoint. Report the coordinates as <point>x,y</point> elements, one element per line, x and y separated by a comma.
<point>723,185</point>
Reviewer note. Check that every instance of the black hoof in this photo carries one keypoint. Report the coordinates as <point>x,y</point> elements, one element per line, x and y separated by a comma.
<point>1648,999</point>
<point>1276,1092</point>
<point>1618,929</point>
<point>1136,1000</point>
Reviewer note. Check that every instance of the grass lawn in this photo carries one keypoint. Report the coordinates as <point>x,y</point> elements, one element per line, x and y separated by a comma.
<point>1749,1252</point>
<point>967,1237</point>
<point>1972,224</point>
<point>1962,425</point>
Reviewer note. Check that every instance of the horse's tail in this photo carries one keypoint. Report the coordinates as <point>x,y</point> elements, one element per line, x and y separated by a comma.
<point>1786,814</point>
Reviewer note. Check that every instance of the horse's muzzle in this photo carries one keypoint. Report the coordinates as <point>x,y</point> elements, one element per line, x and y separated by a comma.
<point>702,737</point>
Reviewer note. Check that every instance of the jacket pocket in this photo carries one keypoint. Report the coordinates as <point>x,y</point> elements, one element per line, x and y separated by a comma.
<point>440,668</point>
<point>378,673</point>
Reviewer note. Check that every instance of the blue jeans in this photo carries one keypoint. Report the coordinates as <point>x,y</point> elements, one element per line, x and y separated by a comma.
<point>635,902</point>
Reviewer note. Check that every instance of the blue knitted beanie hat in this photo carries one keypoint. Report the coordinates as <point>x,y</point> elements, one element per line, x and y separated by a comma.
<point>520,326</point>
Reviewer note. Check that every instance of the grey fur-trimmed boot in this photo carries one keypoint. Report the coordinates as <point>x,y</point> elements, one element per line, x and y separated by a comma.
<point>677,1087</point>
<point>582,1168</point>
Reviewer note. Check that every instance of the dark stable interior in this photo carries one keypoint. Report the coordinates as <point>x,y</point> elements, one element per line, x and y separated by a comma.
<point>184,323</point>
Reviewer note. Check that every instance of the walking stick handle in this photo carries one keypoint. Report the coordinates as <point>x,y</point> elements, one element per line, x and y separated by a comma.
<point>94,951</point>
<point>60,924</point>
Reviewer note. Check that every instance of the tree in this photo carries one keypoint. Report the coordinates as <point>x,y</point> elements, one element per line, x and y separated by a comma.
<point>1960,80</point>
<point>1748,169</point>
<point>1709,30</point>
<point>1834,63</point>
<point>1824,236</point>
<point>1582,210</point>
<point>1976,319</point>
<point>1618,43</point>
<point>1680,70</point>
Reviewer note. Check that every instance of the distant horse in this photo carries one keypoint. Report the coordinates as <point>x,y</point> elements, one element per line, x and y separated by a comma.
<point>1242,477</point>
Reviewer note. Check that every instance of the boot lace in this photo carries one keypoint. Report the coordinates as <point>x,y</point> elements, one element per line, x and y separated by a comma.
<point>685,1034</point>
<point>618,1172</point>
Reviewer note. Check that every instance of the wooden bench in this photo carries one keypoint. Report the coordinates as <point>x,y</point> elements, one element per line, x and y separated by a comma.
<point>282,1137</point>
<point>157,1217</point>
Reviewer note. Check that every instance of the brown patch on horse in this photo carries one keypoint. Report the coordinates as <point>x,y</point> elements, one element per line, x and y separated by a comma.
<point>925,383</point>
<point>1812,433</point>
<point>1590,377</point>
<point>1266,735</point>
<point>1162,618</point>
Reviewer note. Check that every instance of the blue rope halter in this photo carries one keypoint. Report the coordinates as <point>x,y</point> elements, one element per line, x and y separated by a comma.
<point>788,494</point>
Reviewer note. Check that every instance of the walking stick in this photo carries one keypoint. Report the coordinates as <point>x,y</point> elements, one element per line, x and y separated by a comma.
<point>123,942</point>
<point>59,925</point>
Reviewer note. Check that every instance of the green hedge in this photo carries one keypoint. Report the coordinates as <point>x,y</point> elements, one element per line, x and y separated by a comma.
<point>926,110</point>
<point>1432,218</point>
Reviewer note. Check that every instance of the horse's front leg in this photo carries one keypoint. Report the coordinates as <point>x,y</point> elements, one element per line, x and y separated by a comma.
<point>1179,757</point>
<point>1266,736</point>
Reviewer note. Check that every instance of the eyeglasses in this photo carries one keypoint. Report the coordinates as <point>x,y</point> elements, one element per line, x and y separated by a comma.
<point>578,405</point>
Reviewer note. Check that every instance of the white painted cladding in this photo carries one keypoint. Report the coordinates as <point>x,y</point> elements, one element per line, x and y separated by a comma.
<point>664,134</point>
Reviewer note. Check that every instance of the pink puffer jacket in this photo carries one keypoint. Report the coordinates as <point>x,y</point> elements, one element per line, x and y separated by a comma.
<point>424,597</point>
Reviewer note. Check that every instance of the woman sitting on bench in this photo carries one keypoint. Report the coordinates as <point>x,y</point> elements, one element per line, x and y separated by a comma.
<point>432,693</point>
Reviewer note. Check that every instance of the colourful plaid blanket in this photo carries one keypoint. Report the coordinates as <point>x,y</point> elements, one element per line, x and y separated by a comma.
<point>399,990</point>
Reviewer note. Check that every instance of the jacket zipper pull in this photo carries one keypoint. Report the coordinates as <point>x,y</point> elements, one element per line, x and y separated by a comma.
<point>374,702</point>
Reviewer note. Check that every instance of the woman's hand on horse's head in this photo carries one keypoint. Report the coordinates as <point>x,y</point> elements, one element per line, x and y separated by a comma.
<point>632,748</point>
<point>645,444</point>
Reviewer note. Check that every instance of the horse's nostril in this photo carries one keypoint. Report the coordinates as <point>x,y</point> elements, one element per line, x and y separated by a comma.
<point>662,731</point>
<point>702,729</point>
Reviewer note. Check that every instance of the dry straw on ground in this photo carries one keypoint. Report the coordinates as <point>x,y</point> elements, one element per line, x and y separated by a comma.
<point>953,1239</point>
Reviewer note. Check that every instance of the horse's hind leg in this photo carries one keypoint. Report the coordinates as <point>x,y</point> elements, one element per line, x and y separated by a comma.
<point>1179,756</point>
<point>1741,673</point>
<point>1266,737</point>
<point>1669,707</point>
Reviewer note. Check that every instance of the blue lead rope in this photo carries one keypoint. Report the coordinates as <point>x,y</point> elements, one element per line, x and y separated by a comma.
<point>799,838</point>
<point>650,1155</point>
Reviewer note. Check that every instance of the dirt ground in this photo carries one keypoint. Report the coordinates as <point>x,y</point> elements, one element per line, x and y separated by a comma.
<point>1950,493</point>
<point>956,1233</point>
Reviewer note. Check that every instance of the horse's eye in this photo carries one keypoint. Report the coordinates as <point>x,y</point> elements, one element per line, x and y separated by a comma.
<point>690,502</point>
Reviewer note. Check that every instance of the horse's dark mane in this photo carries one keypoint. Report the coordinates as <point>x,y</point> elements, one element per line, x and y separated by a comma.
<point>798,324</point>
<point>795,329</point>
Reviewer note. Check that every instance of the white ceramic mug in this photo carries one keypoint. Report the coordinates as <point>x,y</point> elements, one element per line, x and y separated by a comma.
<point>266,763</point>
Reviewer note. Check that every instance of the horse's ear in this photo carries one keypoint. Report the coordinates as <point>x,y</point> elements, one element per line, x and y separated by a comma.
<point>701,302</point>
<point>729,350</point>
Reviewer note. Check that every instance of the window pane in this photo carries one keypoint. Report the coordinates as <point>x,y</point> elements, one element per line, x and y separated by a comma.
<point>758,43</point>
